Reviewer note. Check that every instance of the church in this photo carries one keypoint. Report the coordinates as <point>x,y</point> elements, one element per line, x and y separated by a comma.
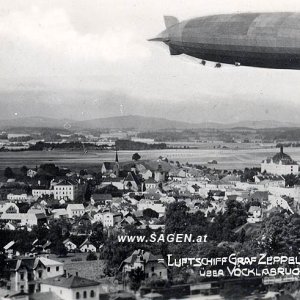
<point>280,164</point>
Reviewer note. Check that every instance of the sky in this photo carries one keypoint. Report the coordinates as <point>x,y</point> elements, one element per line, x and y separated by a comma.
<point>91,59</point>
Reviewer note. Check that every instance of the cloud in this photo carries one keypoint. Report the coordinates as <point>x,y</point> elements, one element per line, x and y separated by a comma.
<point>35,41</point>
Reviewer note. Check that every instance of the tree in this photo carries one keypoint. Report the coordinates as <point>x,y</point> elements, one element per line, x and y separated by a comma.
<point>136,276</point>
<point>60,249</point>
<point>91,256</point>
<point>97,236</point>
<point>8,173</point>
<point>136,156</point>
<point>150,214</point>
<point>176,217</point>
<point>24,170</point>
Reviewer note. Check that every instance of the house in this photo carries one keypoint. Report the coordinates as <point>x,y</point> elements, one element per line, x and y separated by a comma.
<point>25,274</point>
<point>39,247</point>
<point>254,214</point>
<point>37,209</point>
<point>9,208</point>
<point>75,210</point>
<point>41,191</point>
<point>131,182</point>
<point>60,213</point>
<point>116,182</point>
<point>151,265</point>
<point>269,180</point>
<point>9,249</point>
<point>87,246</point>
<point>17,196</point>
<point>109,168</point>
<point>108,219</point>
<point>101,200</point>
<point>150,184</point>
<point>232,179</point>
<point>72,287</point>
<point>31,173</point>
<point>70,245</point>
<point>25,219</point>
<point>65,189</point>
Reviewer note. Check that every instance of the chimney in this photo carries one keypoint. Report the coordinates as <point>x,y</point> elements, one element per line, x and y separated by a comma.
<point>281,149</point>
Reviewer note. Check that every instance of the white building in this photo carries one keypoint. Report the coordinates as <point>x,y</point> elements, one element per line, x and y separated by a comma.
<point>108,219</point>
<point>40,192</point>
<point>17,197</point>
<point>153,266</point>
<point>25,273</point>
<point>75,210</point>
<point>70,246</point>
<point>280,164</point>
<point>87,246</point>
<point>31,173</point>
<point>9,208</point>
<point>24,219</point>
<point>72,287</point>
<point>65,189</point>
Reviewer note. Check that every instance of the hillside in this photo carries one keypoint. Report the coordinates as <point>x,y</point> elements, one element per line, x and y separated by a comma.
<point>140,123</point>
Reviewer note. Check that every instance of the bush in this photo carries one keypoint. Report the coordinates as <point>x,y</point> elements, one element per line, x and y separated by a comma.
<point>91,256</point>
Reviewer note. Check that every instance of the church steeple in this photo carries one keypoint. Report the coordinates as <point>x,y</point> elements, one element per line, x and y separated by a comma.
<point>117,158</point>
<point>116,166</point>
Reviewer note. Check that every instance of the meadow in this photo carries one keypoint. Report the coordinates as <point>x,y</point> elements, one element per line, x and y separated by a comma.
<point>227,158</point>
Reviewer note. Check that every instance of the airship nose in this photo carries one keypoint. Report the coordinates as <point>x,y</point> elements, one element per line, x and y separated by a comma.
<point>162,37</point>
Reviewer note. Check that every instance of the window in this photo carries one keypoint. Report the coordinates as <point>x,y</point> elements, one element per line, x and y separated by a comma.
<point>57,269</point>
<point>92,294</point>
<point>77,295</point>
<point>48,269</point>
<point>152,269</point>
<point>84,294</point>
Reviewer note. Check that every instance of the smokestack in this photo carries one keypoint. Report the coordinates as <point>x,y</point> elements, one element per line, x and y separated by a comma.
<point>281,149</point>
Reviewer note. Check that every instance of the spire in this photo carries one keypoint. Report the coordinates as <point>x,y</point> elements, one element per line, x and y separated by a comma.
<point>117,158</point>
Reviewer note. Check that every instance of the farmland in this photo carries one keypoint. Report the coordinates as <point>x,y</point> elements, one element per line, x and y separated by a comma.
<point>227,158</point>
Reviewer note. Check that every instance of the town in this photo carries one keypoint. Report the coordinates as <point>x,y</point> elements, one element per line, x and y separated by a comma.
<point>60,229</point>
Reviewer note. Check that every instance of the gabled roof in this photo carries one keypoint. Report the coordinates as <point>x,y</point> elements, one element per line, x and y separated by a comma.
<point>66,182</point>
<point>97,197</point>
<point>70,282</point>
<point>131,176</point>
<point>44,296</point>
<point>109,165</point>
<point>146,256</point>
<point>75,207</point>
<point>9,245</point>
<point>86,242</point>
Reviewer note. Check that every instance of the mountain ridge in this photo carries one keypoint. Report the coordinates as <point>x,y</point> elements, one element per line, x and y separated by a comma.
<point>137,122</point>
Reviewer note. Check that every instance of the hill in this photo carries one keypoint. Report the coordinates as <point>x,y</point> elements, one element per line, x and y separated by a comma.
<point>134,122</point>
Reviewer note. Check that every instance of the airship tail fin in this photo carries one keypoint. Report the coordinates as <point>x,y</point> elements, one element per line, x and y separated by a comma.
<point>170,21</point>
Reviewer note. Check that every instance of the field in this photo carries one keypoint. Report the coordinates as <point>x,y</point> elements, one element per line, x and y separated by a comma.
<point>226,158</point>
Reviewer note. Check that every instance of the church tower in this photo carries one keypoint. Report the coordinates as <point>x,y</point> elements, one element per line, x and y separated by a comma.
<point>117,166</point>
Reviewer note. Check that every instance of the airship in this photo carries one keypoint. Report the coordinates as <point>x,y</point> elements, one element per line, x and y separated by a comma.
<point>264,40</point>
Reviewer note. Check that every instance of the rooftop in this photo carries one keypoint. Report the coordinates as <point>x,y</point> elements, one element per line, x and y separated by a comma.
<point>70,282</point>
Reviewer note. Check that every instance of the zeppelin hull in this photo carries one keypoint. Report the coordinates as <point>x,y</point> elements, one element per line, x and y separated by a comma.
<point>251,56</point>
<point>270,40</point>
